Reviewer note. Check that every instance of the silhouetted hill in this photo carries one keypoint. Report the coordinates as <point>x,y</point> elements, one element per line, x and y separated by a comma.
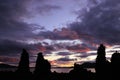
<point>63,67</point>
<point>88,65</point>
<point>6,66</point>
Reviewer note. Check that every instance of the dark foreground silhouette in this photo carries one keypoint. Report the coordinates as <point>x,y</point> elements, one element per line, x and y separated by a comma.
<point>105,70</point>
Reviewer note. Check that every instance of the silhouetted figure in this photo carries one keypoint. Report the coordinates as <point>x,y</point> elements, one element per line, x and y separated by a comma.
<point>102,65</point>
<point>115,63</point>
<point>42,68</point>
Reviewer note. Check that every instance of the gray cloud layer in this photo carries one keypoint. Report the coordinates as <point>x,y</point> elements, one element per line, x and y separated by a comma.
<point>65,59</point>
<point>101,23</point>
<point>11,24</point>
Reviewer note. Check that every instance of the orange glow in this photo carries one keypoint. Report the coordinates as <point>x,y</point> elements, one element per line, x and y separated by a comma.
<point>42,48</point>
<point>8,59</point>
<point>62,63</point>
<point>52,62</point>
<point>80,50</point>
<point>66,64</point>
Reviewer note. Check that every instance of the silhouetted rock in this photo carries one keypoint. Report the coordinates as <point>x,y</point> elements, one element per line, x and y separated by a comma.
<point>24,62</point>
<point>23,71</point>
<point>115,65</point>
<point>88,65</point>
<point>80,73</point>
<point>102,65</point>
<point>42,68</point>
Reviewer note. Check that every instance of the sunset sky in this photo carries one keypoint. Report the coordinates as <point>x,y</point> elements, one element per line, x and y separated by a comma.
<point>66,31</point>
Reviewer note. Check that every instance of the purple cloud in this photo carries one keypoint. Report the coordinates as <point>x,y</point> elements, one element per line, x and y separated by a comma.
<point>63,53</point>
<point>8,47</point>
<point>65,59</point>
<point>47,8</point>
<point>100,22</point>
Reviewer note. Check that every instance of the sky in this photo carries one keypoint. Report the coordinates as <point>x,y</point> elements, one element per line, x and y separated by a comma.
<point>65,31</point>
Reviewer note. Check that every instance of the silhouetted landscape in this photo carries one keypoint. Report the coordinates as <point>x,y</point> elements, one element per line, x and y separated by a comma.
<point>103,69</point>
<point>7,66</point>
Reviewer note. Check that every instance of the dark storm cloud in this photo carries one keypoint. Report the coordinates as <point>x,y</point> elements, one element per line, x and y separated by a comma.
<point>101,23</point>
<point>11,23</point>
<point>11,47</point>
<point>13,9</point>
<point>12,14</point>
<point>13,28</point>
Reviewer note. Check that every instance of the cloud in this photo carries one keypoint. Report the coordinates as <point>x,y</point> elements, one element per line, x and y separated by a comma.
<point>78,48</point>
<point>11,22</point>
<point>101,23</point>
<point>62,34</point>
<point>15,34</point>
<point>7,59</point>
<point>47,8</point>
<point>85,55</point>
<point>59,45</point>
<point>63,53</point>
<point>42,7</point>
<point>65,59</point>
<point>14,48</point>
<point>13,15</point>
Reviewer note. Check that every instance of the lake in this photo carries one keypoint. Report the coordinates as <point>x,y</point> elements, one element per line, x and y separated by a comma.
<point>59,70</point>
